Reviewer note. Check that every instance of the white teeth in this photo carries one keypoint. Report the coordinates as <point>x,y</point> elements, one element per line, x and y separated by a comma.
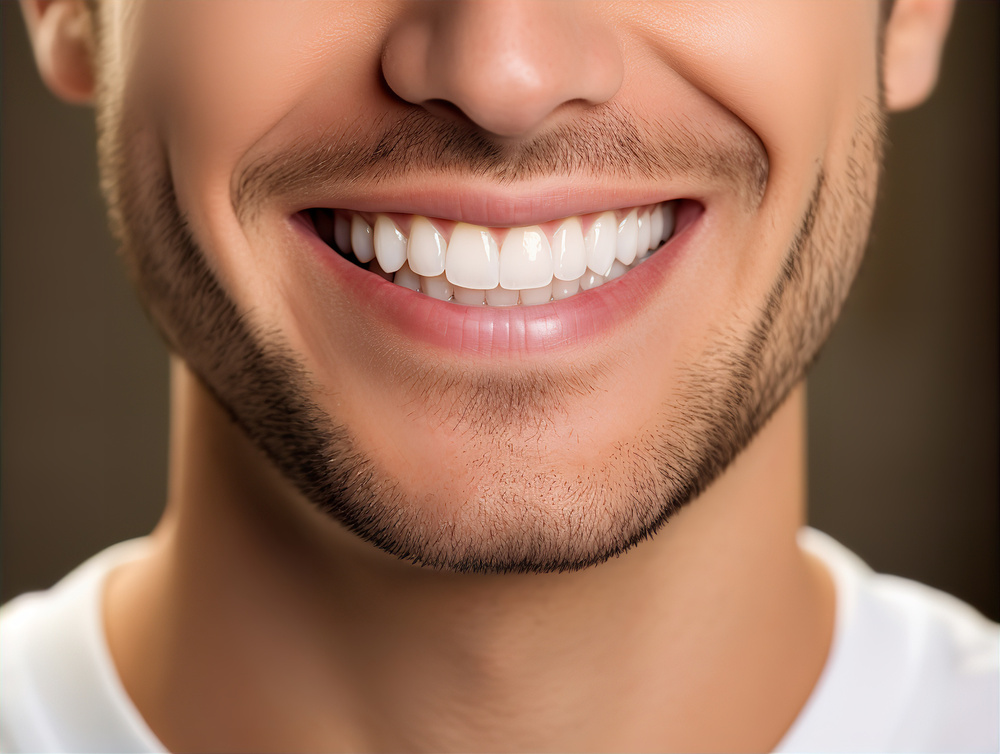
<point>628,237</point>
<point>533,296</point>
<point>342,232</point>
<point>438,287</point>
<point>569,254</point>
<point>501,297</point>
<point>642,248</point>
<point>565,288</point>
<point>469,296</point>
<point>617,270</point>
<point>407,278</point>
<point>525,259</point>
<point>656,225</point>
<point>427,248</point>
<point>390,244</point>
<point>668,222</point>
<point>473,259</point>
<point>590,280</point>
<point>600,243</point>
<point>361,240</point>
<point>530,267</point>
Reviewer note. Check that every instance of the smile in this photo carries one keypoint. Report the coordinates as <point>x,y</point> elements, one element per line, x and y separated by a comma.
<point>473,265</point>
<point>527,291</point>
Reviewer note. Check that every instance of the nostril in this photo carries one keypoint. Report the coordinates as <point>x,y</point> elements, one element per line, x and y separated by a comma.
<point>442,107</point>
<point>506,67</point>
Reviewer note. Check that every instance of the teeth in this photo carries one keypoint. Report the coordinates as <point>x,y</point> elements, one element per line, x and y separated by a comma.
<point>427,248</point>
<point>642,248</point>
<point>533,296</point>
<point>590,280</point>
<point>656,225</point>
<point>407,278</point>
<point>469,296</point>
<point>600,242</point>
<point>668,222</point>
<point>438,287</point>
<point>529,268</point>
<point>569,253</point>
<point>525,259</point>
<point>390,244</point>
<point>374,266</point>
<point>501,297</point>
<point>473,259</point>
<point>361,240</point>
<point>565,288</point>
<point>342,232</point>
<point>617,270</point>
<point>628,238</point>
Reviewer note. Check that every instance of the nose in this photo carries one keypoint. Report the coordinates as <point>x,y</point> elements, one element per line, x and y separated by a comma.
<point>510,66</point>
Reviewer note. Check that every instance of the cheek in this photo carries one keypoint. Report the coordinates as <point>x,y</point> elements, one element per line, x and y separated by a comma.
<point>211,79</point>
<point>792,71</point>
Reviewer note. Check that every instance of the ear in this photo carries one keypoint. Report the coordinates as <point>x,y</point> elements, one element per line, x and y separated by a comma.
<point>914,40</point>
<point>62,37</point>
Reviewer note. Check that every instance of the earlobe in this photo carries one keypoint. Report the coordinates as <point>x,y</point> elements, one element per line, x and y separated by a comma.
<point>62,37</point>
<point>914,40</point>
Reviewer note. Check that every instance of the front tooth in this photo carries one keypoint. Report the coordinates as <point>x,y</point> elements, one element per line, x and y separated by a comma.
<point>342,232</point>
<point>569,254</point>
<point>437,287</point>
<point>565,288</point>
<point>642,249</point>
<point>525,259</point>
<point>472,259</point>
<point>501,297</point>
<point>469,296</point>
<point>427,248</point>
<point>390,244</point>
<point>668,221</point>
<point>361,239</point>
<point>600,243</point>
<point>533,296</point>
<point>656,226</point>
<point>407,278</point>
<point>628,237</point>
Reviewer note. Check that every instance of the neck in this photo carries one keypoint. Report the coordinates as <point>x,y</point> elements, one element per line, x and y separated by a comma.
<point>709,636</point>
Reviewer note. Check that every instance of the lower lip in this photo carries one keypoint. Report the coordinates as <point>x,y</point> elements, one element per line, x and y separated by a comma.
<point>515,331</point>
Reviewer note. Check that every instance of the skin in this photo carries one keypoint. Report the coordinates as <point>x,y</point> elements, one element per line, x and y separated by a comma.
<point>261,622</point>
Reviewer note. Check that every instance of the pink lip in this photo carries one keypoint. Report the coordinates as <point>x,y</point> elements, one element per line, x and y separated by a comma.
<point>504,332</point>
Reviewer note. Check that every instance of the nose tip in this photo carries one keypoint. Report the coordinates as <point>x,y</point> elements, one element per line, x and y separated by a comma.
<point>507,67</point>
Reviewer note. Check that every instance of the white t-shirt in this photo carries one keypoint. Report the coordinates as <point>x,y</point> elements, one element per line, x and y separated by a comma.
<point>910,669</point>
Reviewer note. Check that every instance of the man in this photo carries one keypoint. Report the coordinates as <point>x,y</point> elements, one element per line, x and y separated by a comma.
<point>489,324</point>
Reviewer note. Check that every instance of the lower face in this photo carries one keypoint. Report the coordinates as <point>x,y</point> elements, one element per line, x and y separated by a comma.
<point>487,356</point>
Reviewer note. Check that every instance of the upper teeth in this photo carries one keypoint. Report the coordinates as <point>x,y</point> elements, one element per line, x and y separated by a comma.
<point>529,266</point>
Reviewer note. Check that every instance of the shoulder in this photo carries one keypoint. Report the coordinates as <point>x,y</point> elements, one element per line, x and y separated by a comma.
<point>910,669</point>
<point>59,690</point>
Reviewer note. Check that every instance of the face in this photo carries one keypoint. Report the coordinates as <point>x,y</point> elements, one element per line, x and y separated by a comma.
<point>499,301</point>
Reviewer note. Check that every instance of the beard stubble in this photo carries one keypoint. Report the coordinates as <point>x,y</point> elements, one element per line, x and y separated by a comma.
<point>509,522</point>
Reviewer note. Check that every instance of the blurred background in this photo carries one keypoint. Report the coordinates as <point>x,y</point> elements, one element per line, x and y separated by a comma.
<point>903,402</point>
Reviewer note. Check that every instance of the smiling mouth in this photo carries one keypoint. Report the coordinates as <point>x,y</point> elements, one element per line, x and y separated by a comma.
<point>473,265</point>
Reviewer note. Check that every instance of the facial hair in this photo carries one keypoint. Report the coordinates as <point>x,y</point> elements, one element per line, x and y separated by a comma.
<point>509,524</point>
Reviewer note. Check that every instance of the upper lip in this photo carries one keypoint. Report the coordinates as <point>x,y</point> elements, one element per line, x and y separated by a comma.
<point>493,206</point>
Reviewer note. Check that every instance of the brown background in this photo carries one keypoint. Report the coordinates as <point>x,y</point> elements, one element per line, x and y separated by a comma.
<point>903,403</point>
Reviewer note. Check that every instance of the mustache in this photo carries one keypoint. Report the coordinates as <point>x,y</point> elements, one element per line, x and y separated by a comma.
<point>605,142</point>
